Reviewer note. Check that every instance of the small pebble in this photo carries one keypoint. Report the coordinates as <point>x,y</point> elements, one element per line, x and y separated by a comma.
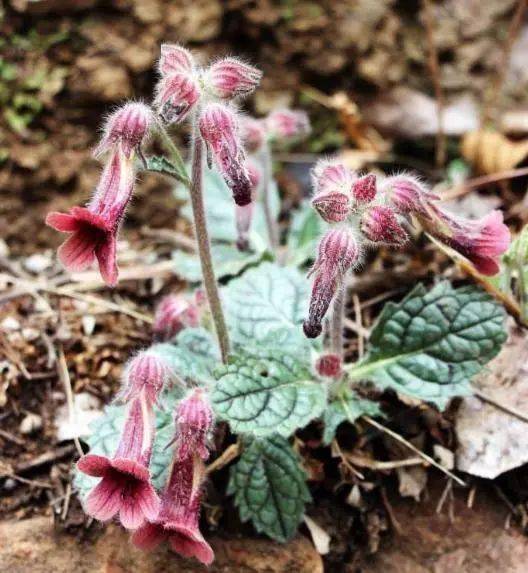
<point>31,423</point>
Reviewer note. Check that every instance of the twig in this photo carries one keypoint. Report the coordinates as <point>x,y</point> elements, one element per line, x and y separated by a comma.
<point>64,377</point>
<point>45,458</point>
<point>364,462</point>
<point>33,482</point>
<point>271,223</point>
<point>390,511</point>
<point>66,505</point>
<point>343,457</point>
<point>353,326</point>
<point>443,497</point>
<point>179,240</point>
<point>471,184</point>
<point>12,438</point>
<point>412,447</point>
<point>228,455</point>
<point>359,324</point>
<point>508,409</point>
<point>434,68</point>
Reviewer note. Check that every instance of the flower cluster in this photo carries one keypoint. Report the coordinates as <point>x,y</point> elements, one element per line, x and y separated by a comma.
<point>174,313</point>
<point>93,229</point>
<point>365,211</point>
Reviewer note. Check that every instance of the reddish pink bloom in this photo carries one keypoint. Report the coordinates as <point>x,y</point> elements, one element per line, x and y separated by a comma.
<point>173,314</point>
<point>145,374</point>
<point>364,189</point>
<point>175,59</point>
<point>244,215</point>
<point>176,96</point>
<point>380,225</point>
<point>178,518</point>
<point>229,78</point>
<point>94,228</point>
<point>338,252</point>
<point>253,133</point>
<point>285,125</point>
<point>333,184</point>
<point>125,487</point>
<point>177,521</point>
<point>219,128</point>
<point>482,241</point>
<point>127,126</point>
<point>329,365</point>
<point>407,194</point>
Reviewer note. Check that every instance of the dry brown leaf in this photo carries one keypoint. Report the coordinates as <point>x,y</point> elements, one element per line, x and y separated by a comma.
<point>491,152</point>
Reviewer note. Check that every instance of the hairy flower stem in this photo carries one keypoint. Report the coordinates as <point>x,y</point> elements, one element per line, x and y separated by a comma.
<point>175,155</point>
<point>336,326</point>
<point>204,248</point>
<point>271,223</point>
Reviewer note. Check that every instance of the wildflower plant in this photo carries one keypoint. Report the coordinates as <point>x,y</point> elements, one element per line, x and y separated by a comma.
<point>264,352</point>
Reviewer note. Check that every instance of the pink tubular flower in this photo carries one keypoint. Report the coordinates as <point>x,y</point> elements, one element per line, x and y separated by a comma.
<point>285,125</point>
<point>333,184</point>
<point>178,517</point>
<point>128,126</point>
<point>229,78</point>
<point>175,59</point>
<point>338,252</point>
<point>173,314</point>
<point>380,225</point>
<point>93,229</point>
<point>364,189</point>
<point>125,487</point>
<point>253,133</point>
<point>219,128</point>
<point>244,215</point>
<point>176,96</point>
<point>482,241</point>
<point>145,374</point>
<point>329,365</point>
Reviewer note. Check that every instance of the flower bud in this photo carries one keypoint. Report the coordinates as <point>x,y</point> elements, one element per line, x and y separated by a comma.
<point>145,374</point>
<point>173,314</point>
<point>333,207</point>
<point>129,126</point>
<point>253,133</point>
<point>194,420</point>
<point>175,59</point>
<point>229,78</point>
<point>407,194</point>
<point>285,125</point>
<point>332,183</point>
<point>380,225</point>
<point>176,96</point>
<point>219,128</point>
<point>329,365</point>
<point>364,189</point>
<point>338,252</point>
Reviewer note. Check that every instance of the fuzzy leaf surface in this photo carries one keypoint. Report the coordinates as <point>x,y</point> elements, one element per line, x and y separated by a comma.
<point>432,343</point>
<point>269,487</point>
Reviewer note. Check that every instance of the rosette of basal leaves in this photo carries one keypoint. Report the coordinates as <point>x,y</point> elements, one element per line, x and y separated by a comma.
<point>432,343</point>
<point>269,487</point>
<point>268,388</point>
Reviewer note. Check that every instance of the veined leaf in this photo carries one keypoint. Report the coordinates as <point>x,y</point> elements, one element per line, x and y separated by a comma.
<point>306,228</point>
<point>431,344</point>
<point>265,390</point>
<point>269,487</point>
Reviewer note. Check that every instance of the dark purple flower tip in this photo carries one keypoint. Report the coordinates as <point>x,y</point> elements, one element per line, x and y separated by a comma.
<point>312,330</point>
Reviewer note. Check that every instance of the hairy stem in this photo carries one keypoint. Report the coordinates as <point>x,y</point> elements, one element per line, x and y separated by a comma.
<point>204,248</point>
<point>336,328</point>
<point>271,223</point>
<point>175,155</point>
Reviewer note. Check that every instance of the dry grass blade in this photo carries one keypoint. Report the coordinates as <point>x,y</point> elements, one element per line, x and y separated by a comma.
<point>227,456</point>
<point>508,409</point>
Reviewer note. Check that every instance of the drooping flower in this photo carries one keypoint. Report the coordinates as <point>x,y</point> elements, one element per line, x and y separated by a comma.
<point>287,125</point>
<point>253,133</point>
<point>127,127</point>
<point>145,374</point>
<point>329,365</point>
<point>174,313</point>
<point>407,194</point>
<point>482,241</point>
<point>244,215</point>
<point>332,183</point>
<point>364,189</point>
<point>125,487</point>
<point>178,519</point>
<point>337,253</point>
<point>380,225</point>
<point>93,229</point>
<point>176,96</point>
<point>229,78</point>
<point>219,128</point>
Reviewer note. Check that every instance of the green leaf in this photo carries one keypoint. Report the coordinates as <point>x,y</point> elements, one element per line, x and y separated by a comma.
<point>264,299</point>
<point>192,355</point>
<point>269,487</point>
<point>346,408</point>
<point>306,229</point>
<point>161,164</point>
<point>265,390</point>
<point>431,344</point>
<point>228,261</point>
<point>106,432</point>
